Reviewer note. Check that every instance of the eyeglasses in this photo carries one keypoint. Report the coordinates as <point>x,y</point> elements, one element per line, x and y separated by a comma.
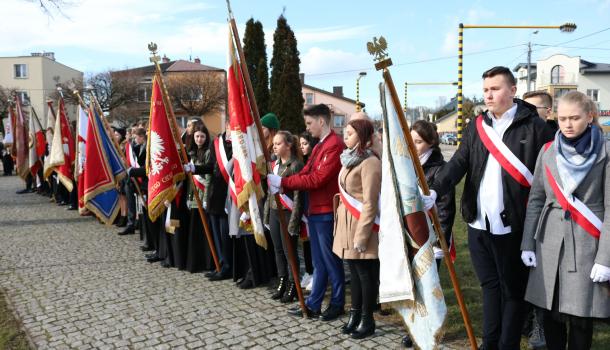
<point>542,107</point>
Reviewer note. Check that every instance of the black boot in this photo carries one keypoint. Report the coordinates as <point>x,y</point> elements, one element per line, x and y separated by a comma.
<point>407,342</point>
<point>366,326</point>
<point>352,322</point>
<point>281,288</point>
<point>290,294</point>
<point>122,222</point>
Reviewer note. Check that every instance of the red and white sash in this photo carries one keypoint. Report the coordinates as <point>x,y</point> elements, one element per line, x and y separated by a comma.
<point>288,203</point>
<point>578,210</point>
<point>199,182</point>
<point>132,161</point>
<point>505,157</point>
<point>225,166</point>
<point>353,205</point>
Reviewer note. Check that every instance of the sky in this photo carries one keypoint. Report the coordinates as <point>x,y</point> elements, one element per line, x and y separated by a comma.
<point>97,35</point>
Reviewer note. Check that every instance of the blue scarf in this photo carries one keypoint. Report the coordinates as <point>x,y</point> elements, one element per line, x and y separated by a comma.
<point>575,157</point>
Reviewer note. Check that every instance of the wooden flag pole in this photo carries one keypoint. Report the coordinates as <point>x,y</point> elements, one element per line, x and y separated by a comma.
<point>378,48</point>
<point>174,126</point>
<point>253,106</point>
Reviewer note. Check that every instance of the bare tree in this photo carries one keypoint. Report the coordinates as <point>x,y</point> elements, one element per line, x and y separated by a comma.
<point>50,7</point>
<point>114,89</point>
<point>6,98</point>
<point>66,89</point>
<point>197,93</point>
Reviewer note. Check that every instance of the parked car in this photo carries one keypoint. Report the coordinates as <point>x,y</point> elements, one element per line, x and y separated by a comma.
<point>449,139</point>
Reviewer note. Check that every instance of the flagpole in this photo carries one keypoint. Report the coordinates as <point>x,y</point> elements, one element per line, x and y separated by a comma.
<point>259,128</point>
<point>383,62</point>
<point>174,126</point>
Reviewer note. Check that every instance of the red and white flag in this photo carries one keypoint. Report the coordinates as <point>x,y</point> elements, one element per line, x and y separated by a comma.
<point>62,149</point>
<point>50,123</point>
<point>249,161</point>
<point>21,141</point>
<point>37,143</point>
<point>79,169</point>
<point>8,128</point>
<point>163,163</point>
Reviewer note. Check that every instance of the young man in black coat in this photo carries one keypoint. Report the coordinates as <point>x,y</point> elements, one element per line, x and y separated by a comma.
<point>498,155</point>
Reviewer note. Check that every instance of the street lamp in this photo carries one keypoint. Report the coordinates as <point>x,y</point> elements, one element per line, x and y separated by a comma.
<point>360,75</point>
<point>566,28</point>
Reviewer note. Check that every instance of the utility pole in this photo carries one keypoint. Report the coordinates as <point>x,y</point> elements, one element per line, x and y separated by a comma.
<point>529,65</point>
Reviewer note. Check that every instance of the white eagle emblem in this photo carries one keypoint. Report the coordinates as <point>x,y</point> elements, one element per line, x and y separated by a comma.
<point>156,153</point>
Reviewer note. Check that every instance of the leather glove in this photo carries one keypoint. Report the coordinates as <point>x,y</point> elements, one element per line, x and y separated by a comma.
<point>189,167</point>
<point>274,180</point>
<point>429,200</point>
<point>529,258</point>
<point>600,273</point>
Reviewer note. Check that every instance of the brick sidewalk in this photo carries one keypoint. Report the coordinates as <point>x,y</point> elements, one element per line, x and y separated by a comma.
<point>75,284</point>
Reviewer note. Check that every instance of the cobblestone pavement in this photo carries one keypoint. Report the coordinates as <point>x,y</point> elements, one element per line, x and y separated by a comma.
<point>75,284</point>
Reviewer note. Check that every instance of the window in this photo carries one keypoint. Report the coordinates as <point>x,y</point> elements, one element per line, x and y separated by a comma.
<point>557,74</point>
<point>21,71</point>
<point>144,94</point>
<point>308,98</point>
<point>593,94</point>
<point>24,98</point>
<point>338,121</point>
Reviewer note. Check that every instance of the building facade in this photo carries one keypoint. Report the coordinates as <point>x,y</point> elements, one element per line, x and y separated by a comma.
<point>560,74</point>
<point>340,106</point>
<point>179,69</point>
<point>35,78</point>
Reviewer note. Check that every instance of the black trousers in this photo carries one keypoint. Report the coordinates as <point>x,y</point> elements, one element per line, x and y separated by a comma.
<point>503,278</point>
<point>364,284</point>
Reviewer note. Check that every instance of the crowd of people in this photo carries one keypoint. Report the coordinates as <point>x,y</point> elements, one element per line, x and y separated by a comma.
<point>536,201</point>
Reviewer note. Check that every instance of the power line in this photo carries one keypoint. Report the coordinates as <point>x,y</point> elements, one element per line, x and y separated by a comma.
<point>575,47</point>
<point>418,61</point>
<point>584,36</point>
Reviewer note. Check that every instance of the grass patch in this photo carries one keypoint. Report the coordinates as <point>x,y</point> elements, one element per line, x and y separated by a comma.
<point>12,337</point>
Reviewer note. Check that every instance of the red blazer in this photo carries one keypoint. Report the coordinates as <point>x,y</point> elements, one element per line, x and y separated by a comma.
<point>319,176</point>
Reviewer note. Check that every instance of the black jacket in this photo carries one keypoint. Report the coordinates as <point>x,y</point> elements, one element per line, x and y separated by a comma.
<point>140,152</point>
<point>445,205</point>
<point>217,191</point>
<point>524,137</point>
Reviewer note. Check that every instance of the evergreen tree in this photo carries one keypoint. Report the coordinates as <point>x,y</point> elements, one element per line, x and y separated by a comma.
<point>256,60</point>
<point>286,98</point>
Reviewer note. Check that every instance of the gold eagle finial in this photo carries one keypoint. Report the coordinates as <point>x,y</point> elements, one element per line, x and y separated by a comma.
<point>378,48</point>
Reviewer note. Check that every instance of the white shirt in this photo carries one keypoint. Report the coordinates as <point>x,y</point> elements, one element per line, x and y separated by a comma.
<point>490,199</point>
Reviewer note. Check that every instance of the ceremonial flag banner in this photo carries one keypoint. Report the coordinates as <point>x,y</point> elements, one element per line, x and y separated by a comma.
<point>37,143</point>
<point>247,150</point>
<point>21,141</point>
<point>81,151</point>
<point>103,170</point>
<point>62,149</point>
<point>48,168</point>
<point>163,165</point>
<point>8,128</point>
<point>409,281</point>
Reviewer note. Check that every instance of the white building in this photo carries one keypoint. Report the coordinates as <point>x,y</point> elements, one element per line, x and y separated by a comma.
<point>560,73</point>
<point>35,78</point>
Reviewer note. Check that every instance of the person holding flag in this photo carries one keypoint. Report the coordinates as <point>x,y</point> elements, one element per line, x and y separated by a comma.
<point>498,155</point>
<point>566,239</point>
<point>319,178</point>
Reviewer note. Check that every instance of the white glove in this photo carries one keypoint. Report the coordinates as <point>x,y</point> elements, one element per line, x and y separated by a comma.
<point>273,190</point>
<point>438,253</point>
<point>274,180</point>
<point>167,204</point>
<point>189,167</point>
<point>429,200</point>
<point>129,171</point>
<point>529,258</point>
<point>205,205</point>
<point>600,273</point>
<point>268,227</point>
<point>244,217</point>
<point>359,248</point>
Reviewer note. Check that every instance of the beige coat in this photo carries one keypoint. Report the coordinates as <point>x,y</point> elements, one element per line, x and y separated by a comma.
<point>362,182</point>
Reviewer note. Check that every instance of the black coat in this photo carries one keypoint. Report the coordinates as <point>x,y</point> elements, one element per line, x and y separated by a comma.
<point>140,173</point>
<point>524,137</point>
<point>217,191</point>
<point>445,205</point>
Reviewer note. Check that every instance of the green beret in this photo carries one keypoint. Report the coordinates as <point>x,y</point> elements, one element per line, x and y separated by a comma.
<point>270,121</point>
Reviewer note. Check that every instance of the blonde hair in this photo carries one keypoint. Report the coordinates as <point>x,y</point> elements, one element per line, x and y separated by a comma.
<point>584,102</point>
